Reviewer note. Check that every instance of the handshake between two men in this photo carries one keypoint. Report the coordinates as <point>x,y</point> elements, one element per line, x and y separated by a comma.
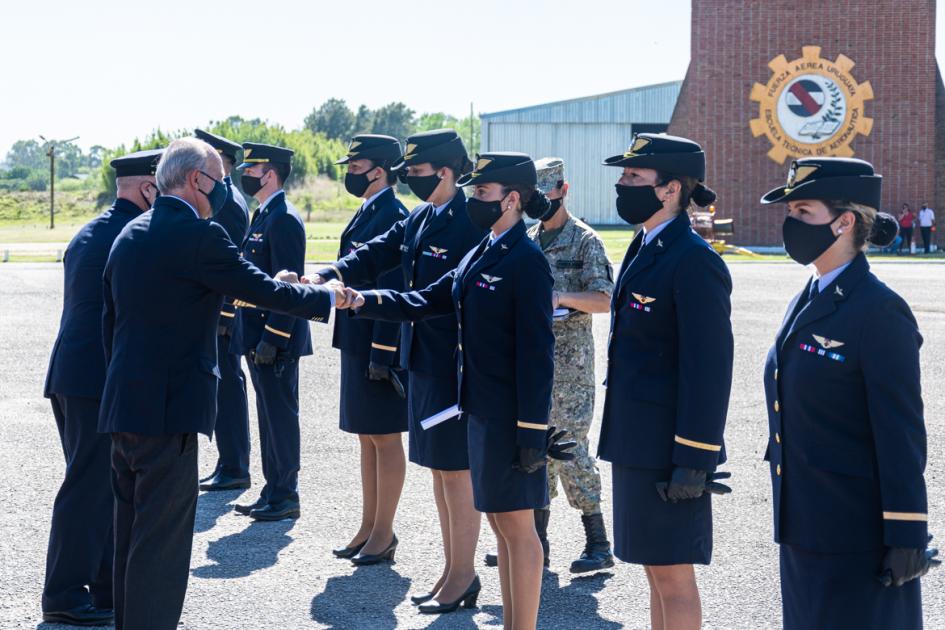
<point>345,297</point>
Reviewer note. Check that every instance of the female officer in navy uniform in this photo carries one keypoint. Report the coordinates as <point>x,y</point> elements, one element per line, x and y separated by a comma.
<point>501,296</point>
<point>372,392</point>
<point>847,443</point>
<point>426,245</point>
<point>668,377</point>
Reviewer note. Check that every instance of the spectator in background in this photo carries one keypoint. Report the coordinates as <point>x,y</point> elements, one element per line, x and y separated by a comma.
<point>906,225</point>
<point>926,223</point>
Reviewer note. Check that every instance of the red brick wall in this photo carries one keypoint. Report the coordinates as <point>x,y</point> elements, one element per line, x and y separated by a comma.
<point>892,43</point>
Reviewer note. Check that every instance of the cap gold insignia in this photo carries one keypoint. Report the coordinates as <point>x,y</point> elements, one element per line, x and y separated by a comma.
<point>642,299</point>
<point>490,279</point>
<point>483,163</point>
<point>409,153</point>
<point>437,250</point>
<point>354,145</point>
<point>247,153</point>
<point>638,145</point>
<point>827,344</point>
<point>799,173</point>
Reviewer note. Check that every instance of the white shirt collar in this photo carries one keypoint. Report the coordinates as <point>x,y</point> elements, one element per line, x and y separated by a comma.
<point>185,203</point>
<point>438,209</point>
<point>265,203</point>
<point>649,235</point>
<point>373,198</point>
<point>493,239</point>
<point>824,281</point>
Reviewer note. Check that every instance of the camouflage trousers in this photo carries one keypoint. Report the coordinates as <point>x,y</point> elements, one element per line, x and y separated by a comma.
<point>572,409</point>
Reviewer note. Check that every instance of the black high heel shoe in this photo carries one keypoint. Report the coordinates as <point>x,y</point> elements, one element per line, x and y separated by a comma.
<point>348,552</point>
<point>419,599</point>
<point>467,599</point>
<point>387,555</point>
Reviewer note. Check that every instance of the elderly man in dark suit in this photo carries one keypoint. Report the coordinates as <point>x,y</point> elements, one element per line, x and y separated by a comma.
<point>164,285</point>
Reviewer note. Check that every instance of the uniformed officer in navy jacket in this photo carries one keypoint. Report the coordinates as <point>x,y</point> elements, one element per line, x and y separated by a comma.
<point>232,428</point>
<point>78,588</point>
<point>273,342</point>
<point>847,443</point>
<point>501,297</point>
<point>426,245</point>
<point>669,375</point>
<point>164,282</point>
<point>373,404</point>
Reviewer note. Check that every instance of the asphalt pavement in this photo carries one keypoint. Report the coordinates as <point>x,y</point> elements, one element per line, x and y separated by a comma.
<point>283,575</point>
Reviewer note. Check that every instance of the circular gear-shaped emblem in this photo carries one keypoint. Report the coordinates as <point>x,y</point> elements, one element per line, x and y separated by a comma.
<point>811,107</point>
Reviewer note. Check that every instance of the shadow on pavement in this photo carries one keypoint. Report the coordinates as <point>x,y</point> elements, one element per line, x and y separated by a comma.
<point>211,506</point>
<point>364,599</point>
<point>254,548</point>
<point>573,606</point>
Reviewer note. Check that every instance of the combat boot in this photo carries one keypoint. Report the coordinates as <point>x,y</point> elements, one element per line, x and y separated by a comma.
<point>541,526</point>
<point>597,555</point>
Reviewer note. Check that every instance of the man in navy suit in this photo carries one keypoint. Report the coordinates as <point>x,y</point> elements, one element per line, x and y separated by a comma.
<point>164,281</point>
<point>232,428</point>
<point>78,588</point>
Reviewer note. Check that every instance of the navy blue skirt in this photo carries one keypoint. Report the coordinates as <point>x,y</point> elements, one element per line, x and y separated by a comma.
<point>497,485</point>
<point>369,407</point>
<point>442,447</point>
<point>821,591</point>
<point>653,532</point>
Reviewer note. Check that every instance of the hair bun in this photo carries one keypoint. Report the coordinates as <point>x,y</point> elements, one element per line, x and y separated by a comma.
<point>702,195</point>
<point>538,204</point>
<point>885,229</point>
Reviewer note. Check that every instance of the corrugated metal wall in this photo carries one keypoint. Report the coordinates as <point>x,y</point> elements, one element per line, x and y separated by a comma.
<point>582,132</point>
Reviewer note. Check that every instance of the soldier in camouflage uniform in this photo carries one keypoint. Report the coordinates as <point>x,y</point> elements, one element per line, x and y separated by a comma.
<point>583,285</point>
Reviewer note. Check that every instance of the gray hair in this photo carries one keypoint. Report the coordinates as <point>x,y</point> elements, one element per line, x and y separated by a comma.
<point>180,159</point>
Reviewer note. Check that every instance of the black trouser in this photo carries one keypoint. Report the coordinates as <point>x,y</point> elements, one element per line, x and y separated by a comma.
<point>155,484</point>
<point>79,556</point>
<point>277,405</point>
<point>232,428</point>
<point>906,238</point>
<point>927,238</point>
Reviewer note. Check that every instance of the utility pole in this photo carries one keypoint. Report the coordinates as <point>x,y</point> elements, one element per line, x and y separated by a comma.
<point>51,154</point>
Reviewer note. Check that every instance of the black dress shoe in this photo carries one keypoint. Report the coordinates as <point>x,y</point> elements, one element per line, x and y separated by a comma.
<point>85,615</point>
<point>348,552</point>
<point>467,599</point>
<point>246,508</point>
<point>277,511</point>
<point>419,599</point>
<point>219,481</point>
<point>376,558</point>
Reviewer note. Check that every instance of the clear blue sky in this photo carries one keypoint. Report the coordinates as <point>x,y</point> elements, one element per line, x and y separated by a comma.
<point>110,70</point>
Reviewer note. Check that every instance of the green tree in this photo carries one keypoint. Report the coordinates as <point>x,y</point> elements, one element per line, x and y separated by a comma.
<point>394,119</point>
<point>332,118</point>
<point>27,153</point>
<point>363,120</point>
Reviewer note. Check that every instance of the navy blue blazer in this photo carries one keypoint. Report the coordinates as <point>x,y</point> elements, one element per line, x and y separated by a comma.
<point>77,363</point>
<point>377,340</point>
<point>164,284</point>
<point>669,370</point>
<point>500,298</point>
<point>234,218</point>
<point>847,444</point>
<point>425,246</point>
<point>276,241</point>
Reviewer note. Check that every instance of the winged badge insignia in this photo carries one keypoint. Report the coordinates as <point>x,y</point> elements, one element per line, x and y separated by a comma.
<point>642,299</point>
<point>356,244</point>
<point>490,279</point>
<point>827,344</point>
<point>439,251</point>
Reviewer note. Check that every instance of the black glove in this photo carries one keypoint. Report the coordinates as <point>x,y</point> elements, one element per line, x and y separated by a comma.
<point>265,353</point>
<point>378,372</point>
<point>223,331</point>
<point>687,483</point>
<point>556,448</point>
<point>530,459</point>
<point>902,564</point>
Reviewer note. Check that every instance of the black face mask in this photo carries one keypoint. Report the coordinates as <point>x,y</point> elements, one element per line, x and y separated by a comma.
<point>806,242</point>
<point>636,204</point>
<point>251,185</point>
<point>423,185</point>
<point>555,205</point>
<point>484,214</point>
<point>357,184</point>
